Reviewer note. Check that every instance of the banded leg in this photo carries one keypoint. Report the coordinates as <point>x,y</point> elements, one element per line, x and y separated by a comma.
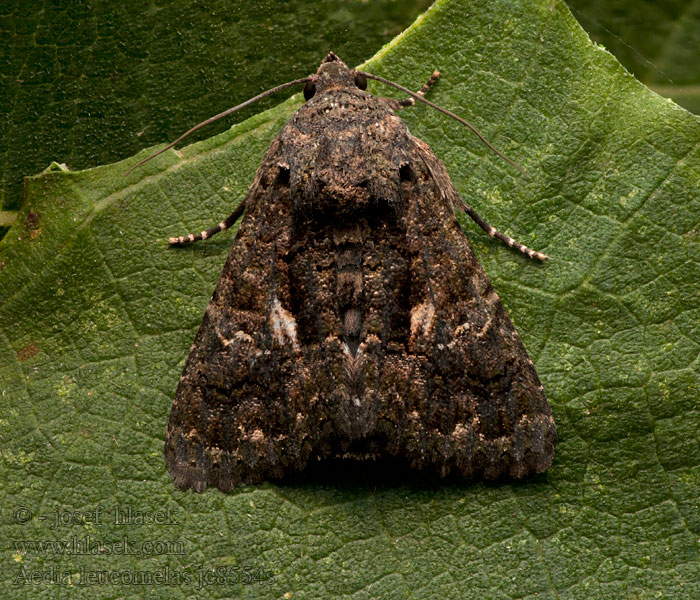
<point>203,235</point>
<point>399,104</point>
<point>493,232</point>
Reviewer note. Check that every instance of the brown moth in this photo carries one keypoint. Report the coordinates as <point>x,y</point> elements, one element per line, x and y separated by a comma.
<point>352,318</point>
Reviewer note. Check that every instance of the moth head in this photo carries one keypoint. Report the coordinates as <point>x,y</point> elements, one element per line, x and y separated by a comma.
<point>333,73</point>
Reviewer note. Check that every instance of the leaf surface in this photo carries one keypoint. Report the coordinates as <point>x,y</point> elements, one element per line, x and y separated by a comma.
<point>97,315</point>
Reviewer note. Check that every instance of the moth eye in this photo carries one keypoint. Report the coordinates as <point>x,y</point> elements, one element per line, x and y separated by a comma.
<point>361,81</point>
<point>309,90</point>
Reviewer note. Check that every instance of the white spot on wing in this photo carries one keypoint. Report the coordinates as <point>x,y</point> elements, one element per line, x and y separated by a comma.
<point>240,336</point>
<point>283,324</point>
<point>422,317</point>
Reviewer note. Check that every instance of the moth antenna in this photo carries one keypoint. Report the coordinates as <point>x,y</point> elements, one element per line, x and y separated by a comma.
<point>420,98</point>
<point>220,116</point>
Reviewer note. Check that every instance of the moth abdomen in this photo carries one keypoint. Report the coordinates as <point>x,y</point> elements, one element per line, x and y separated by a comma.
<point>349,286</point>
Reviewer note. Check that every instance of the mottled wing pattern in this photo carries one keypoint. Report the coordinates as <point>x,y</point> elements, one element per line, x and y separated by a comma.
<point>236,413</point>
<point>471,401</point>
<point>352,318</point>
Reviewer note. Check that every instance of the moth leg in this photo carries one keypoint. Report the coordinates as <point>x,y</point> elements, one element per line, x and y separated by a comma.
<point>399,104</point>
<point>203,235</point>
<point>493,232</point>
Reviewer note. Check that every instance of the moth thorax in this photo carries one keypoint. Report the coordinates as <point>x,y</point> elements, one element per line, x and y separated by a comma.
<point>335,199</point>
<point>341,199</point>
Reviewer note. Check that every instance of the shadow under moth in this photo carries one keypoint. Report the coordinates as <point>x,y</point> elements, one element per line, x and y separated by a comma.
<point>352,318</point>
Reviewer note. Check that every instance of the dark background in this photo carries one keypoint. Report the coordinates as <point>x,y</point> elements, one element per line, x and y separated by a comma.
<point>89,83</point>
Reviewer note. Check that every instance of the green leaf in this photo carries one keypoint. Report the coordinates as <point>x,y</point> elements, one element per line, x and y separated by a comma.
<point>659,42</point>
<point>90,83</point>
<point>98,314</point>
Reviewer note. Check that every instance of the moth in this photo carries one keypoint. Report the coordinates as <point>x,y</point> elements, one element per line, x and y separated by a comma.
<point>352,318</point>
